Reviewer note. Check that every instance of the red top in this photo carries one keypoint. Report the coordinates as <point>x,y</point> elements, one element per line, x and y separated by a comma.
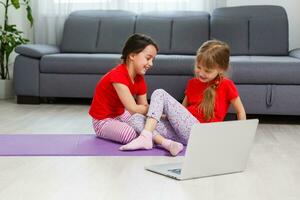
<point>225,92</point>
<point>106,102</point>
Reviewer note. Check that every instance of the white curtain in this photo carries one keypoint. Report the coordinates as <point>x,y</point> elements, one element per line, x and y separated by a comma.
<point>50,15</point>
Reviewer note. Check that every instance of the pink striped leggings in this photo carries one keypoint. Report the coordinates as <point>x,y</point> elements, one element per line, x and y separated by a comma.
<point>116,129</point>
<point>126,127</point>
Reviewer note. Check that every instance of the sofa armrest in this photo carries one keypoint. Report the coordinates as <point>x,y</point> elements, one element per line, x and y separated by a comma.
<point>295,53</point>
<point>36,50</point>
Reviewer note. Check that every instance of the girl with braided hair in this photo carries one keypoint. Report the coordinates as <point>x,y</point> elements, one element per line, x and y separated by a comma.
<point>207,98</point>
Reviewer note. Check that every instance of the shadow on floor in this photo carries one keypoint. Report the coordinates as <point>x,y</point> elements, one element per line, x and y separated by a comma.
<point>74,101</point>
<point>269,119</point>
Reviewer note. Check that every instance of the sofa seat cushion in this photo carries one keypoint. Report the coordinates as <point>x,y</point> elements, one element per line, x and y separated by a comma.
<point>265,69</point>
<point>78,63</point>
<point>102,63</point>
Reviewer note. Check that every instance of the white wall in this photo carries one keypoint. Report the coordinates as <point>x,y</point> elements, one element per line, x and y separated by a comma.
<point>292,9</point>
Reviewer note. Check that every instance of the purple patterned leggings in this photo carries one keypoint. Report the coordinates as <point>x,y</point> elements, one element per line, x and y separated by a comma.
<point>179,120</point>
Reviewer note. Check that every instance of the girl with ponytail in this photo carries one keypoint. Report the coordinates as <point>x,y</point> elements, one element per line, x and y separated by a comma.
<point>212,61</point>
<point>207,98</point>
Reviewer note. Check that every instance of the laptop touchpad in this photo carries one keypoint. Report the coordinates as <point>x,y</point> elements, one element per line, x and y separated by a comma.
<point>175,171</point>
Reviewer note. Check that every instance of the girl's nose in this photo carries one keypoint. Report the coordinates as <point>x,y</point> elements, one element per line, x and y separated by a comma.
<point>202,74</point>
<point>150,63</point>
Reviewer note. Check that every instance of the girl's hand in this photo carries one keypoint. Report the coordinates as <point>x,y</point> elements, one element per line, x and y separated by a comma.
<point>146,107</point>
<point>239,108</point>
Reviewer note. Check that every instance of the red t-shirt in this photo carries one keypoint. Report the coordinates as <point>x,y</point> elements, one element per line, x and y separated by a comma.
<point>225,92</point>
<point>106,102</point>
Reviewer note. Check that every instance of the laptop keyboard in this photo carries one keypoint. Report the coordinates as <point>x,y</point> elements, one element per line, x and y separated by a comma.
<point>176,171</point>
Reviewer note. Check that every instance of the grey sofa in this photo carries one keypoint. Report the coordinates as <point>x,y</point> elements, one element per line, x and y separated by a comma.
<point>266,73</point>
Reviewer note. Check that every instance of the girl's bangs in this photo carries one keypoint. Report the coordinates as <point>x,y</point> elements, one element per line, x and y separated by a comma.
<point>206,60</point>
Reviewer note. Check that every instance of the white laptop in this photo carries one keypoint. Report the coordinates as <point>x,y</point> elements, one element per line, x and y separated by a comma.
<point>213,149</point>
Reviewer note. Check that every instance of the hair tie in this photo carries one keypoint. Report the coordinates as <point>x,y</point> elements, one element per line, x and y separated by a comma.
<point>217,81</point>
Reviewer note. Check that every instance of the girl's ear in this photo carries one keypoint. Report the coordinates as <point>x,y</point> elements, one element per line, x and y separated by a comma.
<point>131,56</point>
<point>220,70</point>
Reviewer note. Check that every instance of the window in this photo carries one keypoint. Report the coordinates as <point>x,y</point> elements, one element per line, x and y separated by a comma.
<point>129,1</point>
<point>157,1</point>
<point>79,1</point>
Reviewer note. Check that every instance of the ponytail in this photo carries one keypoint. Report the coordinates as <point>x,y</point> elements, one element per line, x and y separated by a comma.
<point>207,105</point>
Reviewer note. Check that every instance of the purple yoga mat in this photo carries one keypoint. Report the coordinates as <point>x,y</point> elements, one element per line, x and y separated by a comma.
<point>67,145</point>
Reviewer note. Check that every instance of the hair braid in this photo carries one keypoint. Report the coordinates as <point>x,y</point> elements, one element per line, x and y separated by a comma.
<point>207,105</point>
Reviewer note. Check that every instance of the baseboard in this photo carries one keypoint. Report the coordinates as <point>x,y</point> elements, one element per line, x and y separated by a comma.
<point>28,99</point>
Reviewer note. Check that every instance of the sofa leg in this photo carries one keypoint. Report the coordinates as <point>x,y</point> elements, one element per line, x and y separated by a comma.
<point>28,100</point>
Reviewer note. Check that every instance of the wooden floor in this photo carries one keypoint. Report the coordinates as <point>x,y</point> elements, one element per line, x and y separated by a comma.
<point>273,171</point>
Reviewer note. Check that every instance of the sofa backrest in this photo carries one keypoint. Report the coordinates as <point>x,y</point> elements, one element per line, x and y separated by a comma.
<point>91,31</point>
<point>98,31</point>
<point>252,30</point>
<point>179,32</point>
<point>249,30</point>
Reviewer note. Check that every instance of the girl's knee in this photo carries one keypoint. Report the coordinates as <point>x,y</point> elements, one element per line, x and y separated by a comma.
<point>158,92</point>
